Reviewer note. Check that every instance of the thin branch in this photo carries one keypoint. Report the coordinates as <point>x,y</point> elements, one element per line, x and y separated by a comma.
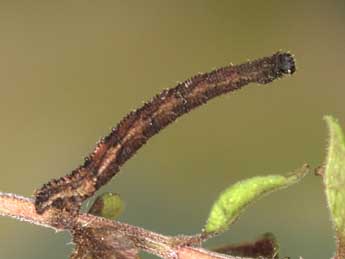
<point>200,253</point>
<point>23,209</point>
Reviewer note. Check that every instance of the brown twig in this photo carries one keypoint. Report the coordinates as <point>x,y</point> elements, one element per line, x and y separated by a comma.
<point>23,209</point>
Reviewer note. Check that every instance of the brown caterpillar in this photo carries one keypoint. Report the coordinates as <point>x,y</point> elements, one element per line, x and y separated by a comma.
<point>139,126</point>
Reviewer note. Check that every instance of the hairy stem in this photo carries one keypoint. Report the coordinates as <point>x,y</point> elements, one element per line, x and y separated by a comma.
<point>22,208</point>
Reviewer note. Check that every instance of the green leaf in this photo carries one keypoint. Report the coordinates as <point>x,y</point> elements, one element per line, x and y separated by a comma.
<point>238,196</point>
<point>108,205</point>
<point>334,179</point>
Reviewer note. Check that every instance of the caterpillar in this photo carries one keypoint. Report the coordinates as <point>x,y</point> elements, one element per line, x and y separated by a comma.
<point>135,129</point>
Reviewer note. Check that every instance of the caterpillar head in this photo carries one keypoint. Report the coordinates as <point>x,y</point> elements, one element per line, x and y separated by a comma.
<point>286,63</point>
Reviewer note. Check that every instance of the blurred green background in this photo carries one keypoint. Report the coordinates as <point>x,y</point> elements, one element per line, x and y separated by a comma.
<point>71,69</point>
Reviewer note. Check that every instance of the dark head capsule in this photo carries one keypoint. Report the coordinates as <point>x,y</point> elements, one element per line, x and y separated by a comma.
<point>286,63</point>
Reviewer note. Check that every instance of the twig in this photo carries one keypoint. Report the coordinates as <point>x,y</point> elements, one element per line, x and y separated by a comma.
<point>23,209</point>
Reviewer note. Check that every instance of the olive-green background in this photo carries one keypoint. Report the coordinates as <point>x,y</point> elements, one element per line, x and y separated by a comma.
<point>69,70</point>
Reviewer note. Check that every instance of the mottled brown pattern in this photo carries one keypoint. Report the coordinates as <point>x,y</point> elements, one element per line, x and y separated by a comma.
<point>102,244</point>
<point>138,126</point>
<point>265,247</point>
